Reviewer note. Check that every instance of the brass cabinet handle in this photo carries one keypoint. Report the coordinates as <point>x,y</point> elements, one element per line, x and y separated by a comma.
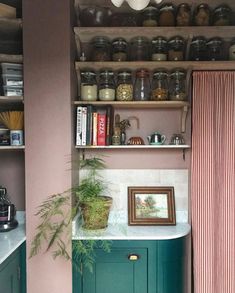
<point>133,257</point>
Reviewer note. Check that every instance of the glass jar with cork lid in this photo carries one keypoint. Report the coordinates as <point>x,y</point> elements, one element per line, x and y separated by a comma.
<point>160,86</point>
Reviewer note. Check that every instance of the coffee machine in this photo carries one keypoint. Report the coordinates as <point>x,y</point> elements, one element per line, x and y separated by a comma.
<point>7,212</point>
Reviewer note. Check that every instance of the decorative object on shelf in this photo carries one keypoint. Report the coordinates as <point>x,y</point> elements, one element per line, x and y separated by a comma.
<point>88,86</point>
<point>156,138</point>
<point>232,50</point>
<point>135,140</point>
<point>167,15</point>
<point>4,136</point>
<point>116,138</point>
<point>177,139</point>
<point>202,15</point>
<point>134,4</point>
<point>151,206</point>
<point>159,49</point>
<point>160,86</point>
<point>142,86</point>
<point>106,86</point>
<point>215,49</point>
<point>183,15</point>
<point>124,90</point>
<point>139,50</point>
<point>119,49</point>
<point>178,85</point>
<point>124,125</point>
<point>101,50</point>
<point>95,16</point>
<point>150,16</point>
<point>222,15</point>
<point>176,49</point>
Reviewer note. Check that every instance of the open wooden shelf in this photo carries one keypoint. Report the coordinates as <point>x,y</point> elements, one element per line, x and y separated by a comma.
<point>11,101</point>
<point>11,58</point>
<point>136,147</point>
<point>11,147</point>
<point>10,25</point>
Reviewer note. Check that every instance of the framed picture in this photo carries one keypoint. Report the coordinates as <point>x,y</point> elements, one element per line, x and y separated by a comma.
<point>151,206</point>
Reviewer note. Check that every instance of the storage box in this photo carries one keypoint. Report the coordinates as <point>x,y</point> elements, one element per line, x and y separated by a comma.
<point>12,91</point>
<point>12,68</point>
<point>12,80</point>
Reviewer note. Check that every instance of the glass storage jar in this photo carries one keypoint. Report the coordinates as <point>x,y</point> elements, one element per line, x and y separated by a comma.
<point>167,15</point>
<point>232,50</point>
<point>124,90</point>
<point>88,86</point>
<point>139,49</point>
<point>176,49</point>
<point>222,15</point>
<point>178,85</point>
<point>215,49</point>
<point>159,49</point>
<point>106,86</point>
<point>160,86</point>
<point>142,87</point>
<point>100,49</point>
<point>198,49</point>
<point>183,16</point>
<point>119,50</point>
<point>149,16</point>
<point>202,15</point>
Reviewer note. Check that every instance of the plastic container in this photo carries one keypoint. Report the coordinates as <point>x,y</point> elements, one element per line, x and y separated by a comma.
<point>12,80</point>
<point>12,91</point>
<point>12,68</point>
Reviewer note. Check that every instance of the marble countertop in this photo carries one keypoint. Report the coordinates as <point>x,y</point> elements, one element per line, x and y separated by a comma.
<point>10,241</point>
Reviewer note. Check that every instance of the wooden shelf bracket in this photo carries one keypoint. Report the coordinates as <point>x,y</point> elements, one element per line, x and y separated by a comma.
<point>183,118</point>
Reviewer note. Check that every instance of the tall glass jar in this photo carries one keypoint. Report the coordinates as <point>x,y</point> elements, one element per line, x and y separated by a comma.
<point>100,49</point>
<point>119,50</point>
<point>176,49</point>
<point>88,86</point>
<point>202,15</point>
<point>222,15</point>
<point>178,85</point>
<point>183,16</point>
<point>198,49</point>
<point>142,87</point>
<point>167,15</point>
<point>124,91</point>
<point>149,16</point>
<point>106,86</point>
<point>159,49</point>
<point>215,49</point>
<point>139,49</point>
<point>232,50</point>
<point>160,86</point>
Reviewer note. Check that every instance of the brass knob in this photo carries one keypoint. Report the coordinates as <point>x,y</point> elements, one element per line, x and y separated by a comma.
<point>133,257</point>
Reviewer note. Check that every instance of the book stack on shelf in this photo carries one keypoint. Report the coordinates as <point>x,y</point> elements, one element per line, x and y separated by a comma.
<point>94,125</point>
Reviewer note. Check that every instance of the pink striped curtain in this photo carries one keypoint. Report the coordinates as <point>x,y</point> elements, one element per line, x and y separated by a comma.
<point>213,182</point>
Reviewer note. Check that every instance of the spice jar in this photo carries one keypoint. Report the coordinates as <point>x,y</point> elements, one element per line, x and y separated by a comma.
<point>198,49</point>
<point>159,49</point>
<point>178,85</point>
<point>183,16</point>
<point>149,16</point>
<point>232,50</point>
<point>202,15</point>
<point>142,87</point>
<point>176,49</point>
<point>88,86</point>
<point>119,49</point>
<point>167,15</point>
<point>106,86</point>
<point>124,91</point>
<point>139,49</point>
<point>222,15</point>
<point>215,49</point>
<point>100,49</point>
<point>160,86</point>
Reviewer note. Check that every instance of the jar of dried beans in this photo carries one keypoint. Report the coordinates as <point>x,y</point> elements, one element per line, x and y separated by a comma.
<point>160,86</point>
<point>124,90</point>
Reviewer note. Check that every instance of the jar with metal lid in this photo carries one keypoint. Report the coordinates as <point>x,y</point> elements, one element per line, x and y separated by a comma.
<point>232,50</point>
<point>215,49</point>
<point>142,87</point>
<point>160,86</point>
<point>159,49</point>
<point>149,16</point>
<point>139,49</point>
<point>167,15</point>
<point>178,85</point>
<point>124,90</point>
<point>222,15</point>
<point>119,50</point>
<point>198,49</point>
<point>106,86</point>
<point>183,16</point>
<point>100,49</point>
<point>88,86</point>
<point>202,15</point>
<point>176,49</point>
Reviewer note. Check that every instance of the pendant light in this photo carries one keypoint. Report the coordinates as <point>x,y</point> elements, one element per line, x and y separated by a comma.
<point>134,4</point>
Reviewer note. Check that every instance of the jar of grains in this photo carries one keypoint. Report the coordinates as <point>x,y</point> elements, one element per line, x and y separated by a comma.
<point>100,49</point>
<point>119,49</point>
<point>176,49</point>
<point>198,49</point>
<point>167,15</point>
<point>124,90</point>
<point>178,85</point>
<point>215,49</point>
<point>183,16</point>
<point>232,50</point>
<point>202,15</point>
<point>222,15</point>
<point>88,86</point>
<point>139,49</point>
<point>160,86</point>
<point>159,49</point>
<point>149,16</point>
<point>106,86</point>
<point>142,87</point>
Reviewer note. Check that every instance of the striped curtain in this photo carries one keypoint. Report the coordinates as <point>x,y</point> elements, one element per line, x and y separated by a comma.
<point>213,182</point>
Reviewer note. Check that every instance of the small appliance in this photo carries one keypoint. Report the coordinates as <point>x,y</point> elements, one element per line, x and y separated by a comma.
<point>7,212</point>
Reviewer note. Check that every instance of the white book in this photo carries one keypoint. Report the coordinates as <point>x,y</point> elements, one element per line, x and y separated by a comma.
<point>79,126</point>
<point>84,125</point>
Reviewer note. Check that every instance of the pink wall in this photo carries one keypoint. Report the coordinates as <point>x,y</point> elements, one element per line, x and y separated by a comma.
<point>48,127</point>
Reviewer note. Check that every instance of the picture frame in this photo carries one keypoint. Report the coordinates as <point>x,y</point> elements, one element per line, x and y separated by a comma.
<point>151,206</point>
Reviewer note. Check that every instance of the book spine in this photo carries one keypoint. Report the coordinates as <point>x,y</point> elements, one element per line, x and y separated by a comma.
<point>94,128</point>
<point>89,126</point>
<point>79,126</point>
<point>84,125</point>
<point>109,125</point>
<point>101,129</point>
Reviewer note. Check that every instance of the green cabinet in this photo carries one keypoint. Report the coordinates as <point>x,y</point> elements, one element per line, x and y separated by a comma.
<point>143,266</point>
<point>12,272</point>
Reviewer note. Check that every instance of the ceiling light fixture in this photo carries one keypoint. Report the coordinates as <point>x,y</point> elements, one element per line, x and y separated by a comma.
<point>134,4</point>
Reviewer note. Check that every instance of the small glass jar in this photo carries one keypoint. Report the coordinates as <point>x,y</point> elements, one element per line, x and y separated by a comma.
<point>215,49</point>
<point>198,49</point>
<point>160,86</point>
<point>106,86</point>
<point>149,16</point>
<point>124,90</point>
<point>232,50</point>
<point>88,86</point>
<point>142,87</point>
<point>222,15</point>
<point>167,15</point>
<point>176,49</point>
<point>202,15</point>
<point>119,50</point>
<point>183,16</point>
<point>178,85</point>
<point>100,49</point>
<point>139,49</point>
<point>159,49</point>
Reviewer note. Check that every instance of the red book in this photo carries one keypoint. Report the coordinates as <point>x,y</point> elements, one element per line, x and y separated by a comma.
<point>101,128</point>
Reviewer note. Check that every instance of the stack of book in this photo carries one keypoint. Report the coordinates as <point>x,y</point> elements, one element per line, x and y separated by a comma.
<point>94,125</point>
